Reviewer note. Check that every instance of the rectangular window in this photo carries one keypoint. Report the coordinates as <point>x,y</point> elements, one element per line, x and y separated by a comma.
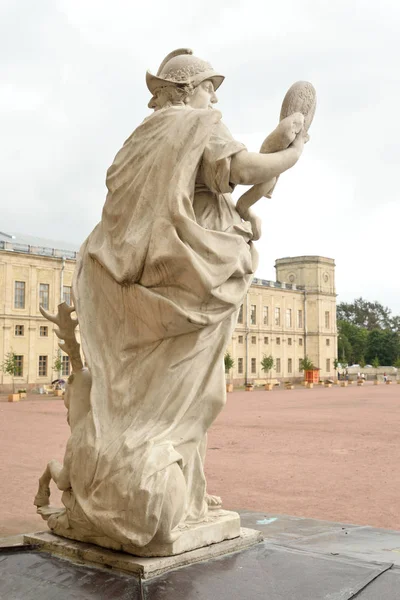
<point>240,315</point>
<point>253,314</point>
<point>265,315</point>
<point>266,340</point>
<point>328,342</point>
<point>300,359</point>
<point>300,341</point>
<point>327,319</point>
<point>65,366</point>
<point>289,365</point>
<point>240,365</point>
<point>19,366</point>
<point>253,339</point>
<point>253,365</point>
<point>289,317</point>
<point>19,330</point>
<point>44,295</point>
<point>240,339</point>
<point>289,341</point>
<point>300,319</point>
<point>43,331</point>
<point>278,341</point>
<point>67,294</point>
<point>277,315</point>
<point>42,366</point>
<point>278,365</point>
<point>328,364</point>
<point>19,294</point>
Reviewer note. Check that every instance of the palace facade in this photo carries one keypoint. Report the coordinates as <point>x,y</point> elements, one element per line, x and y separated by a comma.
<point>289,318</point>
<point>32,273</point>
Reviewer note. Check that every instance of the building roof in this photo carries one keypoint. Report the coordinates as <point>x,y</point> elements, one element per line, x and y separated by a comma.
<point>36,245</point>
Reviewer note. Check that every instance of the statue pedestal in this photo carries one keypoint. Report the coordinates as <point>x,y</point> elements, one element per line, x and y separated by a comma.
<point>220,525</point>
<point>143,567</point>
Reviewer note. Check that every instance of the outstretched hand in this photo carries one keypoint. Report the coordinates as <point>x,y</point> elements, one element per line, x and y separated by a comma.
<point>255,223</point>
<point>298,143</point>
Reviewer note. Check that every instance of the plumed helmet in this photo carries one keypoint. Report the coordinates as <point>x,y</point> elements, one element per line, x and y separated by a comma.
<point>180,67</point>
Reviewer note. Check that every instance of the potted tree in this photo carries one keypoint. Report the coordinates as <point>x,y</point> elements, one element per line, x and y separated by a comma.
<point>9,367</point>
<point>397,365</point>
<point>229,364</point>
<point>267,364</point>
<point>375,363</point>
<point>311,373</point>
<point>57,366</point>
<point>336,366</point>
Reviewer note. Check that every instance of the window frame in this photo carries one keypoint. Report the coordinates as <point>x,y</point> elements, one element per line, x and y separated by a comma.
<point>42,362</point>
<point>44,294</point>
<point>19,368</point>
<point>19,294</point>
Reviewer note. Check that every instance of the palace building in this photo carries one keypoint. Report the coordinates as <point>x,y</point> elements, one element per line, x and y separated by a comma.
<point>288,318</point>
<point>33,272</point>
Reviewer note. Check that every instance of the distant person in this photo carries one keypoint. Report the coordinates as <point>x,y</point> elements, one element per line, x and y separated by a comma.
<point>384,377</point>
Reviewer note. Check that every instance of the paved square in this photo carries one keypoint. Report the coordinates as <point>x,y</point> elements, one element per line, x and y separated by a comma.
<point>322,453</point>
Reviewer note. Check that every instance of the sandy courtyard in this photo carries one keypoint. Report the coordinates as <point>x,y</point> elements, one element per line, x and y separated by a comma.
<point>325,453</point>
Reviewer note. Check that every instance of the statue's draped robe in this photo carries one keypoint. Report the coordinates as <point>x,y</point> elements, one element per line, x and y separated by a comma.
<point>157,288</point>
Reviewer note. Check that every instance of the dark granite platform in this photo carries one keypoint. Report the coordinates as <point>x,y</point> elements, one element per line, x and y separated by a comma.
<point>300,559</point>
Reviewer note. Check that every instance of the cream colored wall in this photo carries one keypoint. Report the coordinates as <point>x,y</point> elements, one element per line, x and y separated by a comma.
<point>289,347</point>
<point>33,270</point>
<point>316,274</point>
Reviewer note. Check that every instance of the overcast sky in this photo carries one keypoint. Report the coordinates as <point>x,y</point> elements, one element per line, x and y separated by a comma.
<point>73,89</point>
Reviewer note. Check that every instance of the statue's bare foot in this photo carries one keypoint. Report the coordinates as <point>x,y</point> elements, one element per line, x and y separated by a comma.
<point>214,502</point>
<point>42,498</point>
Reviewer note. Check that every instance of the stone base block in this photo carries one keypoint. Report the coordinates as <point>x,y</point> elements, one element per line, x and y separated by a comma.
<point>220,525</point>
<point>13,398</point>
<point>143,567</point>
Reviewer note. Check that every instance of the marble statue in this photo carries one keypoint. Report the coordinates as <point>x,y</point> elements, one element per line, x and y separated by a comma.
<point>157,289</point>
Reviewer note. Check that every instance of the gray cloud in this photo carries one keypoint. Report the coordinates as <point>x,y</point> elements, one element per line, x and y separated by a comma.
<point>73,89</point>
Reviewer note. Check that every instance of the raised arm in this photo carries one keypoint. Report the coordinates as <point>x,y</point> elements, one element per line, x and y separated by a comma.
<point>261,171</point>
<point>251,168</point>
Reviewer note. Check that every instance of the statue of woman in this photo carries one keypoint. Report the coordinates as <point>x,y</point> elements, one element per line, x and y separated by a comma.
<point>157,290</point>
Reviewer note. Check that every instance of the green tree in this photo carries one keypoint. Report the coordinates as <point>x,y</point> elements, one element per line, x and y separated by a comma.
<point>352,343</point>
<point>57,364</point>
<point>344,347</point>
<point>267,363</point>
<point>306,364</point>
<point>397,363</point>
<point>228,362</point>
<point>10,367</point>
<point>375,362</point>
<point>384,344</point>
<point>365,314</point>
